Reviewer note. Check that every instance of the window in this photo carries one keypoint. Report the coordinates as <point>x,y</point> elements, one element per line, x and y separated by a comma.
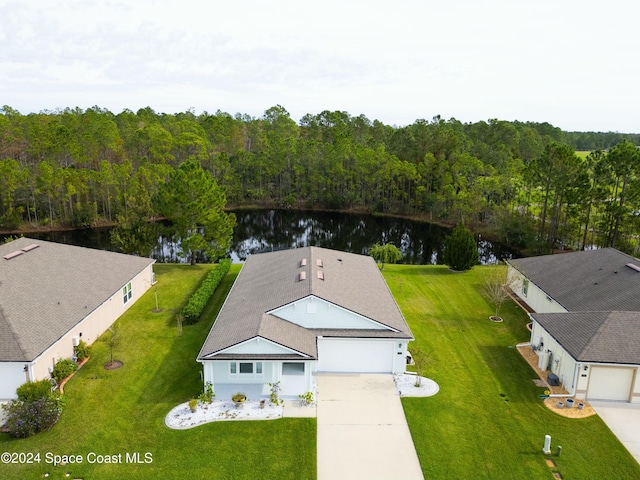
<point>253,369</point>
<point>525,287</point>
<point>126,293</point>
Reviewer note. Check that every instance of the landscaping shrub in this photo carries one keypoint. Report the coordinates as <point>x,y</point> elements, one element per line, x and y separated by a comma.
<point>83,350</point>
<point>28,418</point>
<point>198,301</point>
<point>63,368</point>
<point>31,391</point>
<point>207,395</point>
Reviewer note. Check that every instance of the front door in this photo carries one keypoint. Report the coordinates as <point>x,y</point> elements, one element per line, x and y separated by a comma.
<point>293,380</point>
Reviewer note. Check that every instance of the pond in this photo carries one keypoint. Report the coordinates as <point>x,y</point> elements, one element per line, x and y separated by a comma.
<point>268,230</point>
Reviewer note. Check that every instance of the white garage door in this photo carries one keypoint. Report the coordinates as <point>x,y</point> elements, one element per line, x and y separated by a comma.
<point>351,355</point>
<point>610,383</point>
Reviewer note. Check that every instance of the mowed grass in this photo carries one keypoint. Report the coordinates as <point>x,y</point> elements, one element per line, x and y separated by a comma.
<point>121,412</point>
<point>488,421</point>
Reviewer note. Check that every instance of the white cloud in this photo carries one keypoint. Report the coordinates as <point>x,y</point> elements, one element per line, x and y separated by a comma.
<point>570,63</point>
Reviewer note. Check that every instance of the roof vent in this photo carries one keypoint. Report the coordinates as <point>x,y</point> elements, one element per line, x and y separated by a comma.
<point>303,276</point>
<point>319,263</point>
<point>633,266</point>
<point>320,275</point>
<point>11,255</point>
<point>303,262</point>
<point>28,248</point>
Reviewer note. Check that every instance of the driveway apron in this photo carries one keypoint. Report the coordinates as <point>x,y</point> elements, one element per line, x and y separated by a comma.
<point>623,419</point>
<point>362,430</point>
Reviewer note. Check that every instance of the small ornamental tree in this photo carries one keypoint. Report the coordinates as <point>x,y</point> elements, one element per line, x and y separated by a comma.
<point>497,284</point>
<point>387,253</point>
<point>113,340</point>
<point>421,360</point>
<point>461,249</point>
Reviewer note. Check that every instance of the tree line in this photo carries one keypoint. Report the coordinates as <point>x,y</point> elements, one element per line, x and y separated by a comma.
<point>520,182</point>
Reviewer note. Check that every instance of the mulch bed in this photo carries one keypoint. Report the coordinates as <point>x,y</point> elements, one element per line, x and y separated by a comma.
<point>573,412</point>
<point>113,365</point>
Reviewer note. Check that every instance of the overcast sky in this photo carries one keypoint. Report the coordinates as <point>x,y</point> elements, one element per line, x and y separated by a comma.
<point>571,63</point>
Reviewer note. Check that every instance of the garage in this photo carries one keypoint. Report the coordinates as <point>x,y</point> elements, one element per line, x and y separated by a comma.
<point>610,383</point>
<point>355,355</point>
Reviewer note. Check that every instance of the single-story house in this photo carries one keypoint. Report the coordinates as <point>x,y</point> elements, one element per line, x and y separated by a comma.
<point>294,313</point>
<point>585,321</point>
<point>53,295</point>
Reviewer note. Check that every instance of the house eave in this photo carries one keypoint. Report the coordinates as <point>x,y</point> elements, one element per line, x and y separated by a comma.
<point>255,356</point>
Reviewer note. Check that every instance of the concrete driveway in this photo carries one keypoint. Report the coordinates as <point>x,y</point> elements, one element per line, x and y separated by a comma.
<point>362,430</point>
<point>623,419</point>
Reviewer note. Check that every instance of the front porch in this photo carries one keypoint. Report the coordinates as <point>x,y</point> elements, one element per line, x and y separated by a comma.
<point>253,391</point>
<point>289,389</point>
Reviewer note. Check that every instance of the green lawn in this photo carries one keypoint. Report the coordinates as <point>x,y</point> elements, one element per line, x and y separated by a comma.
<point>122,411</point>
<point>487,421</point>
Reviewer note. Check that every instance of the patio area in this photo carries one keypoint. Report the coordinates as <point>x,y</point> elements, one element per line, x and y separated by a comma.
<point>552,402</point>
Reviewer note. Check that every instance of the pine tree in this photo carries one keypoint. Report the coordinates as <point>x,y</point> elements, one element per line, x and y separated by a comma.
<point>461,249</point>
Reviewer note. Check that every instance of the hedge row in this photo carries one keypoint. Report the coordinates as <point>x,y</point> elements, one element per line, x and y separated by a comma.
<point>194,307</point>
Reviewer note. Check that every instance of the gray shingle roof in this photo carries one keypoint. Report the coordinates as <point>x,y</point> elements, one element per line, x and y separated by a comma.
<point>599,337</point>
<point>271,280</point>
<point>593,280</point>
<point>48,290</point>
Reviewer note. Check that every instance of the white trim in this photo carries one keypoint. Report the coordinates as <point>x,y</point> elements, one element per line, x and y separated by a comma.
<point>252,339</point>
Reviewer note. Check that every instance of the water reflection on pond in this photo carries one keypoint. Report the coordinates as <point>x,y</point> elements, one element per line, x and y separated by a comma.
<point>266,230</point>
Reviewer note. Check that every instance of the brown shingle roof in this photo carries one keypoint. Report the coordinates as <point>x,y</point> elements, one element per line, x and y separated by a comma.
<point>48,290</point>
<point>271,280</point>
<point>600,337</point>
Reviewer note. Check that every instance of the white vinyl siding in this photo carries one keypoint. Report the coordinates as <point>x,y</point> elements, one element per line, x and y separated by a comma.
<point>313,312</point>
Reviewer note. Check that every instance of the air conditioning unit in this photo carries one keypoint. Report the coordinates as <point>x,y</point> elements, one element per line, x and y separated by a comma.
<point>76,340</point>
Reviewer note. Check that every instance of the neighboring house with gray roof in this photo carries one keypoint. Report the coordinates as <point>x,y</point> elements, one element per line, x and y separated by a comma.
<point>51,296</point>
<point>293,313</point>
<point>585,320</point>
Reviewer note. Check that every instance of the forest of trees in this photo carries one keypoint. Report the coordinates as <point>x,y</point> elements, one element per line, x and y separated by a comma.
<point>519,182</point>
